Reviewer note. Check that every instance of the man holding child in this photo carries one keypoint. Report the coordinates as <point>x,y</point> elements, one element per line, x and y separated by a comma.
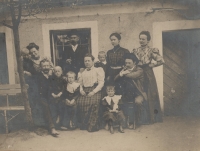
<point>43,87</point>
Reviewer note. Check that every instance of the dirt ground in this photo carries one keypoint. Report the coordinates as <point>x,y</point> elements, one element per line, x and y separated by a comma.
<point>174,134</point>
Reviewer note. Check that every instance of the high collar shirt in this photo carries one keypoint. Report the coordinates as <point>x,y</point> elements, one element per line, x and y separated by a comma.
<point>115,56</point>
<point>90,77</point>
<point>147,54</point>
<point>71,87</point>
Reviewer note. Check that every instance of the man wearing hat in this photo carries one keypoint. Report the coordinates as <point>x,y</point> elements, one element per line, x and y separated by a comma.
<point>73,55</point>
<point>133,95</point>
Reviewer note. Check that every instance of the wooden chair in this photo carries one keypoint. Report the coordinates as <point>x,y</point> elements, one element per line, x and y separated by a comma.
<point>8,90</point>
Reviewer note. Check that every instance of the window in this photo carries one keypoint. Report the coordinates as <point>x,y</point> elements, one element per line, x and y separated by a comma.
<point>3,60</point>
<point>59,39</point>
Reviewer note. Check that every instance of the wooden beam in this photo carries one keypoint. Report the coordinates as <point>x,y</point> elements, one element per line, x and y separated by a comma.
<point>6,121</point>
<point>11,86</point>
<point>12,108</point>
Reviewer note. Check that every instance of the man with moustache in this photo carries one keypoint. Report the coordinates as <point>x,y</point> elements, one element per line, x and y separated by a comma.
<point>43,88</point>
<point>133,95</point>
<point>73,55</point>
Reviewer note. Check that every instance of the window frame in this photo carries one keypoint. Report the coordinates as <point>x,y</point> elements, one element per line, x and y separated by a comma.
<point>46,28</point>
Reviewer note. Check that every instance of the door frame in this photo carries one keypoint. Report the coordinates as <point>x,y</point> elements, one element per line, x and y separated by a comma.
<point>10,53</point>
<point>158,29</point>
<point>74,25</point>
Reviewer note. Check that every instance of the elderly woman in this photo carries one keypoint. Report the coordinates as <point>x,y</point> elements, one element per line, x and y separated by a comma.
<point>91,82</point>
<point>145,54</point>
<point>115,59</point>
<point>133,96</point>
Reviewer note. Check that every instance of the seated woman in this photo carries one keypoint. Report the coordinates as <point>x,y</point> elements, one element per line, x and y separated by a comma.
<point>91,82</point>
<point>133,95</point>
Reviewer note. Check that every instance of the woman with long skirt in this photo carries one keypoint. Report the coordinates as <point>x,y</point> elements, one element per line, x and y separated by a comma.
<point>146,55</point>
<point>91,83</point>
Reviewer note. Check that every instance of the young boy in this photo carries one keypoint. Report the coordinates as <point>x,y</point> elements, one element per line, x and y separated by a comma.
<point>56,88</point>
<point>70,94</point>
<point>102,61</point>
<point>112,109</point>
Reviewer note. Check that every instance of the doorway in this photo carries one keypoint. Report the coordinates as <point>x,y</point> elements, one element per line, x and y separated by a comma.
<point>181,72</point>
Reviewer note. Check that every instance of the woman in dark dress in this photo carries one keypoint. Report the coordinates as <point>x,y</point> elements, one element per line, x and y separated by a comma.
<point>115,59</point>
<point>145,54</point>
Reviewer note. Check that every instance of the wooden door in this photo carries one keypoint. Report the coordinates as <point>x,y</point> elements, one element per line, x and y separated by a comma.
<point>175,74</point>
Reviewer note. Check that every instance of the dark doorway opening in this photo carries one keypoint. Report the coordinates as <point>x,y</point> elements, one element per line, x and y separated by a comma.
<point>181,51</point>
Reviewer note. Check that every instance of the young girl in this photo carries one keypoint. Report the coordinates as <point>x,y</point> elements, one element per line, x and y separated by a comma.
<point>112,111</point>
<point>70,95</point>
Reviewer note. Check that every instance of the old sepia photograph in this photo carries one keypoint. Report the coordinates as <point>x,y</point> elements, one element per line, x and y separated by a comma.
<point>99,75</point>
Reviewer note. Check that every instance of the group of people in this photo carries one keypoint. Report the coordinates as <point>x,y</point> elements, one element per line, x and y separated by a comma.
<point>118,89</point>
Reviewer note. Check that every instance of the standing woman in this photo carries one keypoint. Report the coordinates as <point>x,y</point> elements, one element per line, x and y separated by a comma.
<point>145,54</point>
<point>33,87</point>
<point>91,82</point>
<point>115,59</point>
<point>35,57</point>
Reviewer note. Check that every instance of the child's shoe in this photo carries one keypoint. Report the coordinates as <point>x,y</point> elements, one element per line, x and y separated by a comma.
<point>111,130</point>
<point>121,130</point>
<point>58,120</point>
<point>71,125</point>
<point>106,127</point>
<point>54,132</point>
<point>63,128</point>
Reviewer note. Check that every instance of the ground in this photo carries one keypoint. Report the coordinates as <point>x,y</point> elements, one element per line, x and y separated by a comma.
<point>174,134</point>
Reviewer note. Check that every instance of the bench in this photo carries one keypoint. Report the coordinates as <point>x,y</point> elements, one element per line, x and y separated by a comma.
<point>8,90</point>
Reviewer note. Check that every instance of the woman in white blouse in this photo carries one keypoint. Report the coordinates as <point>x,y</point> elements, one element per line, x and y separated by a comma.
<point>91,82</point>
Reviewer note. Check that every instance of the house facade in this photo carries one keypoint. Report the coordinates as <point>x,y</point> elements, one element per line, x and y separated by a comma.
<point>97,22</point>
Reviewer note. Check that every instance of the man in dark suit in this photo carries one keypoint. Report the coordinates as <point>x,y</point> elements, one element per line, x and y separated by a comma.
<point>43,88</point>
<point>73,55</point>
<point>133,94</point>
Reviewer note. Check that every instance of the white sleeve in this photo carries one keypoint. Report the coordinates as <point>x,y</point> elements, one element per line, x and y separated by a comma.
<point>100,79</point>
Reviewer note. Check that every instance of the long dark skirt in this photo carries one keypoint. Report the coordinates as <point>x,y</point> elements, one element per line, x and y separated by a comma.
<point>152,95</point>
<point>112,73</point>
<point>88,110</point>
